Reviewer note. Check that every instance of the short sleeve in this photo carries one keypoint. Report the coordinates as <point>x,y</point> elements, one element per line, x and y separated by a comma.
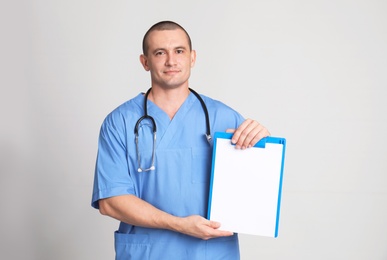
<point>112,175</point>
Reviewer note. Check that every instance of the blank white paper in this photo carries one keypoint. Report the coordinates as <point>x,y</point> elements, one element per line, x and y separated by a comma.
<point>246,188</point>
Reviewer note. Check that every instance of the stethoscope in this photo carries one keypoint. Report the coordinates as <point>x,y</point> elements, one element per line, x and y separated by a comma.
<point>154,129</point>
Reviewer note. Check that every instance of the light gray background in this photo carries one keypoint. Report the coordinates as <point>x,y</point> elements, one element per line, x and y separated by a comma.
<point>311,71</point>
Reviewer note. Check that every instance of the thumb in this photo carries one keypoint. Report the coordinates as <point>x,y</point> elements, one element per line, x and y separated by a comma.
<point>230,130</point>
<point>214,224</point>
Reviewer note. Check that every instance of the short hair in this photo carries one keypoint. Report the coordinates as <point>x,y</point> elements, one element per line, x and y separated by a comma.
<point>161,26</point>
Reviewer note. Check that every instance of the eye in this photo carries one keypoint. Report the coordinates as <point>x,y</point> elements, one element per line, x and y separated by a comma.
<point>179,51</point>
<point>158,53</point>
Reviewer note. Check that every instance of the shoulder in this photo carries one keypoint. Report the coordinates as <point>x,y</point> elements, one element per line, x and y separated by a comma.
<point>216,105</point>
<point>124,113</point>
<point>224,115</point>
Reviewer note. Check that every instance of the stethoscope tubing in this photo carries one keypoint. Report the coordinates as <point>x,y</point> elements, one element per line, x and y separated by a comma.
<point>146,116</point>
<point>154,128</point>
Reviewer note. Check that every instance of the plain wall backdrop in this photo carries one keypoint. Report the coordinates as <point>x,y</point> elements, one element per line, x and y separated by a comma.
<point>314,72</point>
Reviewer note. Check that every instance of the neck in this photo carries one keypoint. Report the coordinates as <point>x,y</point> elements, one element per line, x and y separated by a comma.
<point>169,100</point>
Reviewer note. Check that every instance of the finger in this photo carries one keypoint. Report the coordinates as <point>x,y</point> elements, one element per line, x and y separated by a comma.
<point>215,232</point>
<point>249,134</point>
<point>237,133</point>
<point>245,133</point>
<point>223,233</point>
<point>261,134</point>
<point>254,135</point>
<point>214,224</point>
<point>230,130</point>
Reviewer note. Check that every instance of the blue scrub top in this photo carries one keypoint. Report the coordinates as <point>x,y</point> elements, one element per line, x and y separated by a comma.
<point>179,184</point>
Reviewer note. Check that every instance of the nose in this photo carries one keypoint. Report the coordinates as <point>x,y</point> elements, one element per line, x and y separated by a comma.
<point>170,59</point>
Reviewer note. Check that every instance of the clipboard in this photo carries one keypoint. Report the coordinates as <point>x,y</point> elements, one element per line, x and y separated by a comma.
<point>246,185</point>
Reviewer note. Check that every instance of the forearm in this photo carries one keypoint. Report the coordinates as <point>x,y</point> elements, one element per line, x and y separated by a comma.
<point>135,211</point>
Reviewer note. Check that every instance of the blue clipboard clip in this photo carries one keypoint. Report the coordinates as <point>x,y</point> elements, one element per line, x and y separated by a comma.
<point>260,144</point>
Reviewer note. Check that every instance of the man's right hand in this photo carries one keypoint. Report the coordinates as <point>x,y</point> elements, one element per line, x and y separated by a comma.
<point>200,227</point>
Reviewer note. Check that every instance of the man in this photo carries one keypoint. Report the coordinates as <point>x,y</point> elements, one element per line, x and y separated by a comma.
<point>158,190</point>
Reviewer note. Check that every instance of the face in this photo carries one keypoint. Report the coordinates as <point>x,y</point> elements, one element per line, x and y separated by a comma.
<point>169,59</point>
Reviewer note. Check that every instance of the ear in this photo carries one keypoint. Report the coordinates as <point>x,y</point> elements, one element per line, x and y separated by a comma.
<point>144,62</point>
<point>193,58</point>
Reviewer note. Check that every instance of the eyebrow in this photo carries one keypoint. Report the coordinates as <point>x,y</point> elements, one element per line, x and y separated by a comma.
<point>181,47</point>
<point>164,49</point>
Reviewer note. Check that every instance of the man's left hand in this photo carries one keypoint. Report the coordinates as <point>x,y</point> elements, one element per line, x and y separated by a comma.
<point>248,134</point>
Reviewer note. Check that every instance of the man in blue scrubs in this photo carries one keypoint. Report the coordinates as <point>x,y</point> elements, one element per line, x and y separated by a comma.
<point>162,211</point>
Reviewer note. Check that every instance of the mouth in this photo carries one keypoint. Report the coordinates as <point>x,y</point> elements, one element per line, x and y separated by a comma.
<point>171,72</point>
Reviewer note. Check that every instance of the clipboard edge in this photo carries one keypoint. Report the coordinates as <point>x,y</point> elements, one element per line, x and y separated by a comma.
<point>260,144</point>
